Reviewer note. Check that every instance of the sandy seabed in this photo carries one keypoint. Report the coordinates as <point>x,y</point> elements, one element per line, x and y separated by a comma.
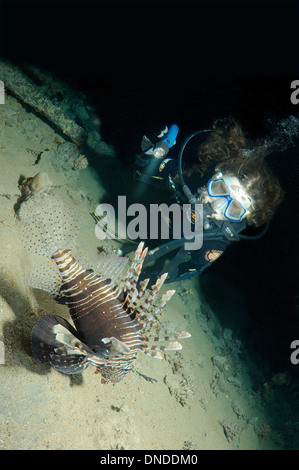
<point>201,398</point>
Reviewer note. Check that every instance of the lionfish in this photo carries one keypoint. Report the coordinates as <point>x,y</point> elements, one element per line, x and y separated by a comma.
<point>108,312</point>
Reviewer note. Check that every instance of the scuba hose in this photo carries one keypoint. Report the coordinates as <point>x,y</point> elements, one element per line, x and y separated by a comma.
<point>256,237</point>
<point>191,198</point>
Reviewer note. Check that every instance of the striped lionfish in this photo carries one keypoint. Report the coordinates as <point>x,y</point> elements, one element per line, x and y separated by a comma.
<point>108,311</point>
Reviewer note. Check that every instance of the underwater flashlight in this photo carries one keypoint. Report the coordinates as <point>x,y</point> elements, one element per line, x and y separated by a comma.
<point>162,147</point>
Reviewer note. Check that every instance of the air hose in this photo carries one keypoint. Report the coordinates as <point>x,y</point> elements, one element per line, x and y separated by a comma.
<point>191,198</point>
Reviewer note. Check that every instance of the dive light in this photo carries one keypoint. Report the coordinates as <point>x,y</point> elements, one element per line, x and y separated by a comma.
<point>162,147</point>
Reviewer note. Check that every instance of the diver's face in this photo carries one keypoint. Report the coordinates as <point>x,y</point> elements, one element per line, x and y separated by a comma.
<point>227,198</point>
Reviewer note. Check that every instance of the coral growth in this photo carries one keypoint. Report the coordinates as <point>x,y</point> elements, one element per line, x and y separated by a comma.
<point>80,163</point>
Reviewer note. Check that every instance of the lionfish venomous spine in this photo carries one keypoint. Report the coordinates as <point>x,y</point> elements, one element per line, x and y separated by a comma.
<point>109,313</point>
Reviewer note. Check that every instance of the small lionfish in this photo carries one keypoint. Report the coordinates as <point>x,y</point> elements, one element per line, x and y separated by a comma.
<point>108,312</point>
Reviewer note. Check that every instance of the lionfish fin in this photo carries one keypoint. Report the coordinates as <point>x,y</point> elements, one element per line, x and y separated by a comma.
<point>174,337</point>
<point>145,311</point>
<point>173,346</point>
<point>156,351</point>
<point>183,335</point>
<point>155,354</point>
<point>111,266</point>
<point>118,348</point>
<point>165,298</point>
<point>135,298</point>
<point>129,282</point>
<point>74,346</point>
<point>54,342</point>
<point>71,343</point>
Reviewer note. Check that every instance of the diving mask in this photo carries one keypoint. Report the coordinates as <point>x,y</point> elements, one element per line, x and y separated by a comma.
<point>228,197</point>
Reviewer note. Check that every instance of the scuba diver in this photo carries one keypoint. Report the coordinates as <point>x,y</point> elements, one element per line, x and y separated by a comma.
<point>228,177</point>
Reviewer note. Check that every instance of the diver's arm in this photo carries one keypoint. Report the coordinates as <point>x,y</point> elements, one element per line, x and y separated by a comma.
<point>155,172</point>
<point>150,168</point>
<point>200,260</point>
